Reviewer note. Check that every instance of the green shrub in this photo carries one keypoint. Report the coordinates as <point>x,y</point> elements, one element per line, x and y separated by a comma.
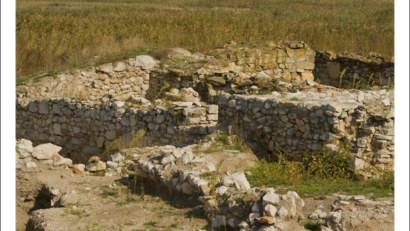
<point>226,142</point>
<point>328,163</point>
<point>318,173</point>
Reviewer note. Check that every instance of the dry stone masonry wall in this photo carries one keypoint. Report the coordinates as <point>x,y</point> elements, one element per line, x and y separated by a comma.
<point>133,76</point>
<point>116,99</point>
<point>358,68</point>
<point>223,68</point>
<point>297,122</point>
<point>85,130</point>
<point>287,60</point>
<point>123,78</point>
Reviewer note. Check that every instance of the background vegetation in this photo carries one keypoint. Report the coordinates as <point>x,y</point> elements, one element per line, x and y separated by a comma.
<point>54,34</point>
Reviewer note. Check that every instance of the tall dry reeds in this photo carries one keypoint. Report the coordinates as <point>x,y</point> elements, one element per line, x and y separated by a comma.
<point>54,34</point>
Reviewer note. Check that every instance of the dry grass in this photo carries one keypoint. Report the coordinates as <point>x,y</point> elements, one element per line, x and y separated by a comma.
<point>54,34</point>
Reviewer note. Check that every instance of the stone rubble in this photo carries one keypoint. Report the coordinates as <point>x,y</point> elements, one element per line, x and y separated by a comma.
<point>27,155</point>
<point>358,210</point>
<point>230,202</point>
<point>233,188</point>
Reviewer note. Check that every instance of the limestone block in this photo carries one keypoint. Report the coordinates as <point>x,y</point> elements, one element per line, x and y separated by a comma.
<point>56,129</point>
<point>145,62</point>
<point>216,81</point>
<point>120,66</point>
<point>212,109</point>
<point>24,148</point>
<point>270,210</point>
<point>270,198</point>
<point>45,151</point>
<point>106,68</point>
<point>111,135</point>
<point>333,70</point>
<point>238,180</point>
<point>307,75</point>
<point>194,112</point>
<point>43,107</point>
<point>96,166</point>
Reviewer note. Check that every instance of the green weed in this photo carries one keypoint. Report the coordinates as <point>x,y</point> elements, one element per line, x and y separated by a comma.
<point>150,223</point>
<point>135,140</point>
<point>163,88</point>
<point>341,78</point>
<point>76,212</point>
<point>98,173</point>
<point>206,174</point>
<point>310,225</point>
<point>175,224</point>
<point>370,82</point>
<point>390,85</point>
<point>114,146</point>
<point>109,193</point>
<point>225,142</point>
<point>263,92</point>
<point>318,173</point>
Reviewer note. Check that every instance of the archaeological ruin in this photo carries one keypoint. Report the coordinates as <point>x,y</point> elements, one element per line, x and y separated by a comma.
<point>281,98</point>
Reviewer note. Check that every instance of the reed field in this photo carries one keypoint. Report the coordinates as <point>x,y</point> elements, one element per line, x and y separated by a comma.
<point>58,34</point>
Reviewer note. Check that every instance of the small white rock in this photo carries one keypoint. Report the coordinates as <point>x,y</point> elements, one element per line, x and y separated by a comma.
<point>283,212</point>
<point>221,190</point>
<point>31,165</point>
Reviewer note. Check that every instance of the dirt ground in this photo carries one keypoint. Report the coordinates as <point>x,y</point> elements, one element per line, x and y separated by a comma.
<point>93,206</point>
<point>110,203</point>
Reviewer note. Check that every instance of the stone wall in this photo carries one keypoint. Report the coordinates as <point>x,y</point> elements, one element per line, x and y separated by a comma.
<point>298,122</point>
<point>144,76</point>
<point>281,122</point>
<point>285,60</point>
<point>121,79</point>
<point>359,68</point>
<point>223,69</point>
<point>84,130</point>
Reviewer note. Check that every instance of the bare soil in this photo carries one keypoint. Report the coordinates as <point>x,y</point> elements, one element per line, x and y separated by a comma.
<point>111,203</point>
<point>90,208</point>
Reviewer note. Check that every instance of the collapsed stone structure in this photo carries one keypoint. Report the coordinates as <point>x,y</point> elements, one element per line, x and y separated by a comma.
<point>229,200</point>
